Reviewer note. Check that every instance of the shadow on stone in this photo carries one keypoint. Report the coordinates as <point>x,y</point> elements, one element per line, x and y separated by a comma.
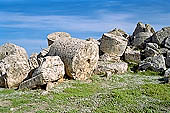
<point>164,80</point>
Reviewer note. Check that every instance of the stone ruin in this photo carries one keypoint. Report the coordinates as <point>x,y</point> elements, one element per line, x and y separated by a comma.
<point>80,59</point>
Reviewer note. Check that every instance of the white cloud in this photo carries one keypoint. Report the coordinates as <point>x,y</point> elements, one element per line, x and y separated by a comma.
<point>101,22</point>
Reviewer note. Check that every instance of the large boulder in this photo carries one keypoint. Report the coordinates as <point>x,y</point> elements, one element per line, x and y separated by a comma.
<point>108,57</point>
<point>131,55</point>
<point>143,28</point>
<point>113,44</point>
<point>156,63</point>
<point>141,35</point>
<point>113,68</point>
<point>163,51</point>
<point>53,36</point>
<point>167,42</point>
<point>160,36</point>
<point>93,40</point>
<point>14,66</point>
<point>141,39</point>
<point>80,57</point>
<point>119,32</point>
<point>51,70</point>
<point>151,50</point>
<point>168,59</point>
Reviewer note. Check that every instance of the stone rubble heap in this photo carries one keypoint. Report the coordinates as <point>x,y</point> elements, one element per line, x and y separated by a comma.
<point>80,59</point>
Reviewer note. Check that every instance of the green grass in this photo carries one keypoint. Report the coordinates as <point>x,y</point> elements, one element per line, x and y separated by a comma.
<point>135,93</point>
<point>158,91</point>
<point>4,109</point>
<point>7,91</point>
<point>81,90</point>
<point>146,98</point>
<point>78,90</point>
<point>20,101</point>
<point>40,111</point>
<point>147,72</point>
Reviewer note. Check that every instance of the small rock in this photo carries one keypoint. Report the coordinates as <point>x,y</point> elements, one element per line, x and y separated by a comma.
<point>60,80</point>
<point>12,109</point>
<point>108,74</point>
<point>167,73</point>
<point>45,92</point>
<point>50,85</point>
<point>167,76</point>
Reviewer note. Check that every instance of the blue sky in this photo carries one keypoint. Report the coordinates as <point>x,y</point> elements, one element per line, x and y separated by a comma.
<point>27,22</point>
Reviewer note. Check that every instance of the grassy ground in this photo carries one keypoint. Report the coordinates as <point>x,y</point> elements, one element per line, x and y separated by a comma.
<point>135,93</point>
